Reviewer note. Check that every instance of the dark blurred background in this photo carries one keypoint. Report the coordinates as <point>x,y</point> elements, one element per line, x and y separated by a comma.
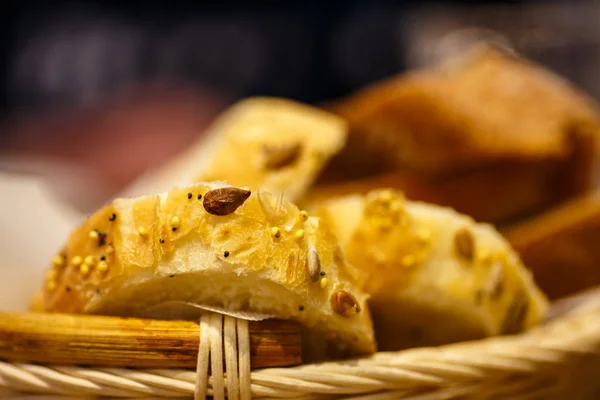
<point>114,87</point>
<point>58,54</point>
<point>69,53</point>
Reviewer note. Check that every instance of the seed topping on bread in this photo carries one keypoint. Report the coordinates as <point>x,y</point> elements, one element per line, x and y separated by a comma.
<point>465,244</point>
<point>313,264</point>
<point>225,201</point>
<point>278,157</point>
<point>344,304</point>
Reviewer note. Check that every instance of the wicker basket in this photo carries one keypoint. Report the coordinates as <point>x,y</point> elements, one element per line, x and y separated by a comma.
<point>559,360</point>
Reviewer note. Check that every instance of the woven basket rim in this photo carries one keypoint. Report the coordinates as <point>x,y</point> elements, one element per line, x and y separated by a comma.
<point>536,364</point>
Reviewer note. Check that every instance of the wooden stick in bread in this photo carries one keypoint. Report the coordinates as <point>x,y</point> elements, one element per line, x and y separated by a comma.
<point>435,276</point>
<point>561,246</point>
<point>269,143</point>
<point>213,245</point>
<point>131,342</point>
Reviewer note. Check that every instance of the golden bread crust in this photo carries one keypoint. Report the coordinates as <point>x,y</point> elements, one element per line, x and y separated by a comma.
<point>560,246</point>
<point>121,257</point>
<point>490,106</point>
<point>433,271</point>
<point>269,143</point>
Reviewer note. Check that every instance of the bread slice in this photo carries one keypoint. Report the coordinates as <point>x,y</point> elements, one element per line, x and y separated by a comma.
<point>213,245</point>
<point>435,276</point>
<point>498,194</point>
<point>487,106</point>
<point>561,245</point>
<point>269,143</point>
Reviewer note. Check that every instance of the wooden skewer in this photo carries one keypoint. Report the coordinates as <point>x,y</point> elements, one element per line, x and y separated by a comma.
<point>131,342</point>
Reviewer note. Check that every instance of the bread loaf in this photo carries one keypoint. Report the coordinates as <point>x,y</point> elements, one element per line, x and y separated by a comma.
<point>486,109</point>
<point>485,106</point>
<point>213,245</point>
<point>561,245</point>
<point>435,276</point>
<point>275,144</point>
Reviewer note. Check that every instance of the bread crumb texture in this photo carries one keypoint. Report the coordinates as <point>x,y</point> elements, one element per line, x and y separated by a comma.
<point>144,252</point>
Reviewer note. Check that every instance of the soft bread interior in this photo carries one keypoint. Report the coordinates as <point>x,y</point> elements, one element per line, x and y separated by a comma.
<point>173,298</point>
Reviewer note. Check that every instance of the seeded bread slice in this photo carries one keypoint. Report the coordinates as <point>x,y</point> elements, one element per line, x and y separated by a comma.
<point>271,143</point>
<point>435,276</point>
<point>214,245</point>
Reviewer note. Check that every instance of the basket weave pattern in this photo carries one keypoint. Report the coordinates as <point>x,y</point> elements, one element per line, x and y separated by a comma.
<point>560,360</point>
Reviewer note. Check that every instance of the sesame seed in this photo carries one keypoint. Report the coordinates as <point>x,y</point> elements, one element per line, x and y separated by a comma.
<point>275,232</point>
<point>464,244</point>
<point>112,217</point>
<point>173,229</point>
<point>424,235</point>
<point>301,308</point>
<point>89,260</point>
<point>51,286</point>
<point>76,261</point>
<point>408,260</point>
<point>199,197</point>
<point>299,234</point>
<point>323,283</point>
<point>323,273</point>
<point>93,234</point>
<point>495,285</point>
<point>102,266</point>
<point>189,196</point>
<point>175,222</point>
<point>161,240</point>
<point>304,215</point>
<point>143,231</point>
<point>68,288</point>
<point>226,254</point>
<point>102,258</point>
<point>313,264</point>
<point>171,276</point>
<point>58,260</point>
<point>84,269</point>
